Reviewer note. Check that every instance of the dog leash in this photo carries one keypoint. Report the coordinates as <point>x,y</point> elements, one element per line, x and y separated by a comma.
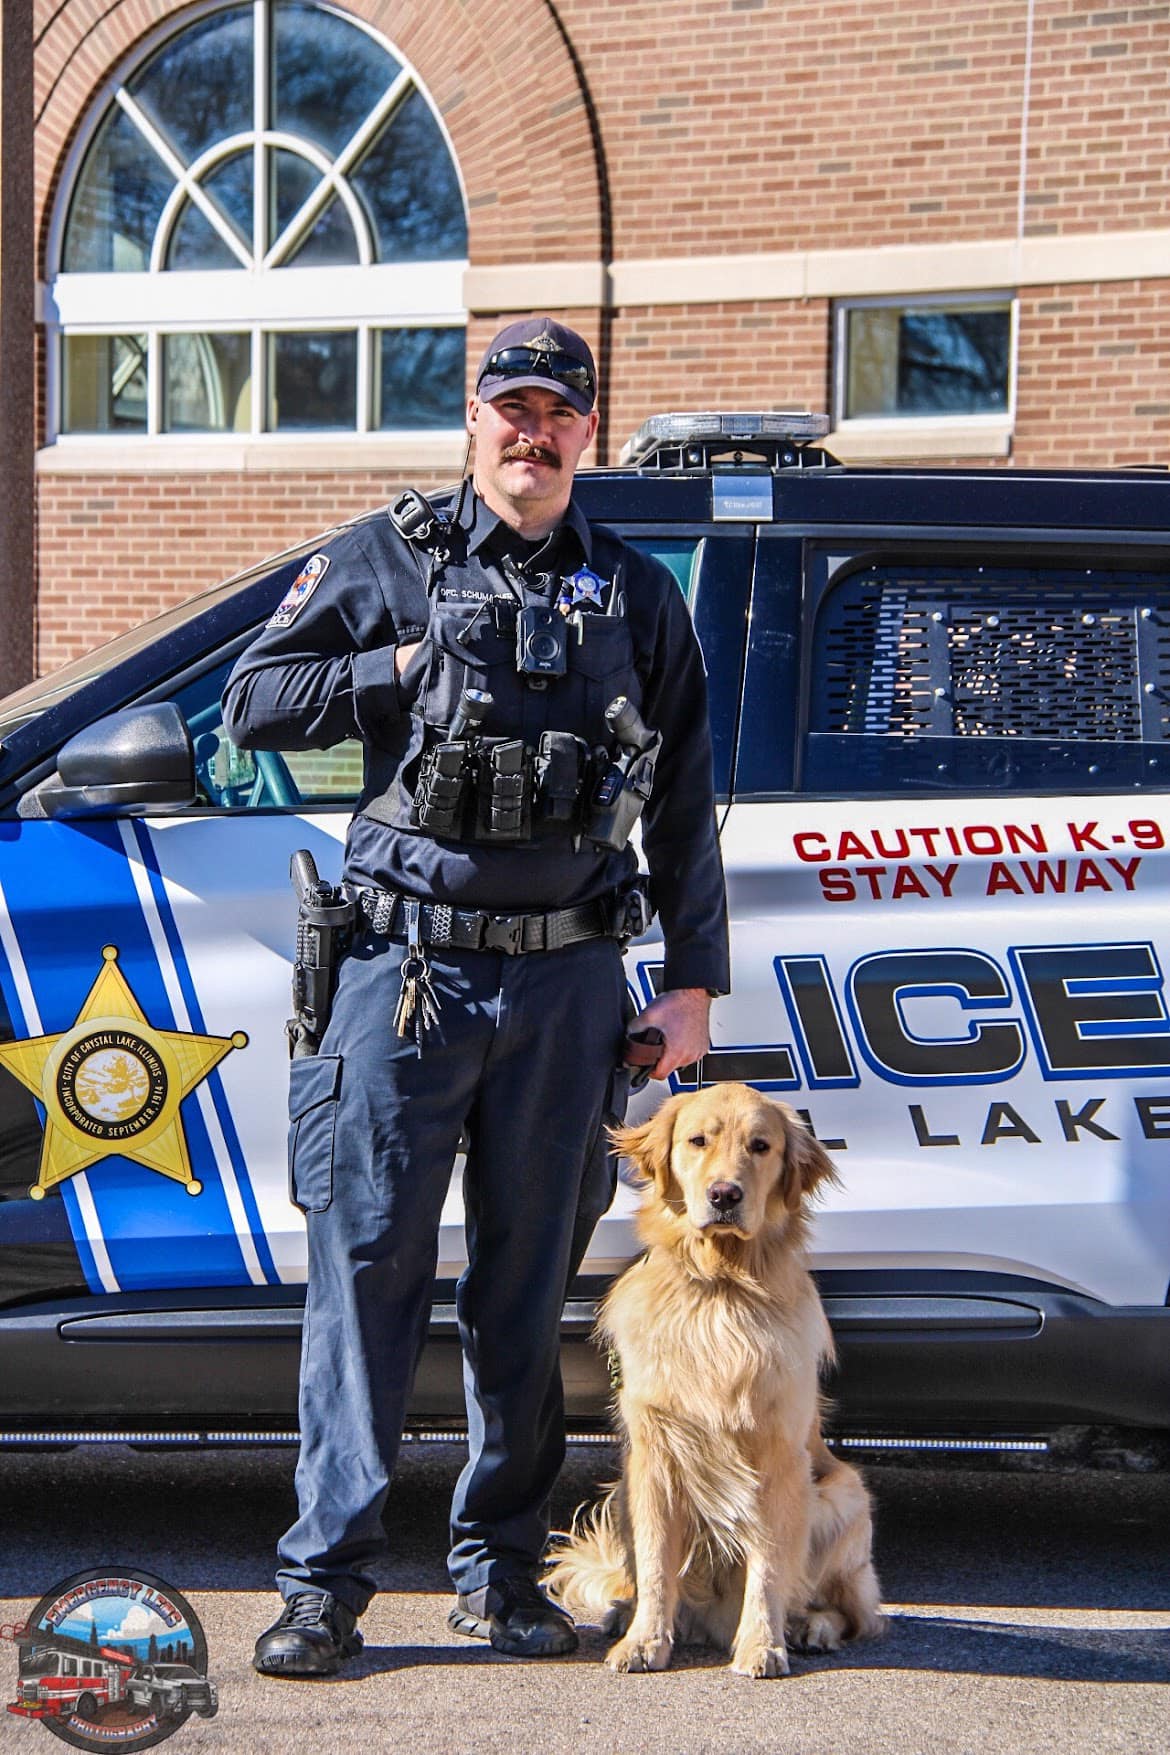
<point>642,1050</point>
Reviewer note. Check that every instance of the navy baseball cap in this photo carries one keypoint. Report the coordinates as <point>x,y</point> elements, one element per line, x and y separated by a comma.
<point>537,351</point>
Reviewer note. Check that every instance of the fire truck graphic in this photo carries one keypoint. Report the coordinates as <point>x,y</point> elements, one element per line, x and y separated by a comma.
<point>62,1677</point>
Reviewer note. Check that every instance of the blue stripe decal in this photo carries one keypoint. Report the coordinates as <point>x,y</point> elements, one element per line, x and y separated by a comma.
<point>22,1026</point>
<point>156,1234</point>
<point>170,927</point>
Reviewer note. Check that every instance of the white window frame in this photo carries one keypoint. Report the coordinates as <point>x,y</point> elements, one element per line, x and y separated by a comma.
<point>920,435</point>
<point>257,300</point>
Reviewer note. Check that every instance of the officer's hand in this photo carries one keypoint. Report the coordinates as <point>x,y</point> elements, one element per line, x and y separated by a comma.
<point>683,1016</point>
<point>403,656</point>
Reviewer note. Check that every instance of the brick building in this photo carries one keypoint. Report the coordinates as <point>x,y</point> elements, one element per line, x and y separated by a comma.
<point>269,235</point>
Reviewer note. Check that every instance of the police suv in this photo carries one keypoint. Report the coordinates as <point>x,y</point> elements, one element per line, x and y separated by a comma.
<point>940,703</point>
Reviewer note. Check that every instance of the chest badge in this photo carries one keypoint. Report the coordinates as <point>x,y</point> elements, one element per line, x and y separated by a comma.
<point>583,589</point>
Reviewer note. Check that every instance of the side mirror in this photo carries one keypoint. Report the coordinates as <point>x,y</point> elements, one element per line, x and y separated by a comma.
<point>133,763</point>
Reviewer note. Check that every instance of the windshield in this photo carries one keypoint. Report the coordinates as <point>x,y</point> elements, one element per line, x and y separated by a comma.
<point>39,1663</point>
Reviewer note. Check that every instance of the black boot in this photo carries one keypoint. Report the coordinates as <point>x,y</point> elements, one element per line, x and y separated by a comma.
<point>516,1617</point>
<point>313,1637</point>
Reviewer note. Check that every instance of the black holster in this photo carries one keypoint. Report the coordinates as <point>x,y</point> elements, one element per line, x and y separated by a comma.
<point>324,925</point>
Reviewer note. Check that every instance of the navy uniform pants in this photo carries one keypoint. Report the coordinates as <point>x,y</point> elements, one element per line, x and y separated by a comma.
<point>523,1057</point>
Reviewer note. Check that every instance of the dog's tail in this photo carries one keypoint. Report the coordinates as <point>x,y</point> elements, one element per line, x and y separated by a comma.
<point>589,1571</point>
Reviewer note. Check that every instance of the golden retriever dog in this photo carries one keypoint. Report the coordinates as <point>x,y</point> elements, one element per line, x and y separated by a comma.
<point>732,1524</point>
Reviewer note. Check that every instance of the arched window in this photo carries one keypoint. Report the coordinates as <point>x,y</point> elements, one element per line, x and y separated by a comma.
<point>263,232</point>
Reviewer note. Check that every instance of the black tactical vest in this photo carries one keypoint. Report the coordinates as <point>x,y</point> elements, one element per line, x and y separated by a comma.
<point>530,767</point>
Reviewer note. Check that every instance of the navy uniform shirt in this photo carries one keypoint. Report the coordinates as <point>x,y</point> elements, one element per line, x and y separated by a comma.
<point>323,670</point>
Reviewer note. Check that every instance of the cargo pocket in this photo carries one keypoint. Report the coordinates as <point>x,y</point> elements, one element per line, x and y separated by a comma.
<point>312,1113</point>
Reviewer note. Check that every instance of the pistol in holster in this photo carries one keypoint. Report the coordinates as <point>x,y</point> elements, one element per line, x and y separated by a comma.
<point>324,923</point>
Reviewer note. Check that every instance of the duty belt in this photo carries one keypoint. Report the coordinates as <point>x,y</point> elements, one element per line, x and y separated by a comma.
<point>474,929</point>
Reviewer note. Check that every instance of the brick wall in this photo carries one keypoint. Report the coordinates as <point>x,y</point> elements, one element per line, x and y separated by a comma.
<point>117,548</point>
<point>716,356</point>
<point>1097,157</point>
<point>795,124</point>
<point>1094,374</point>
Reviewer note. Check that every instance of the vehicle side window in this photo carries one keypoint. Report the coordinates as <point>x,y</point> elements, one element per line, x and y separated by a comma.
<point>229,778</point>
<point>1004,678</point>
<point>680,554</point>
<point>713,570</point>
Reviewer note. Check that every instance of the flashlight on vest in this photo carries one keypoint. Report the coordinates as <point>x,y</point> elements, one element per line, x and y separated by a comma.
<point>474,706</point>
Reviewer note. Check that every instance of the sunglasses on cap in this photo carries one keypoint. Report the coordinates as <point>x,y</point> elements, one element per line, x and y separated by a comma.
<point>519,362</point>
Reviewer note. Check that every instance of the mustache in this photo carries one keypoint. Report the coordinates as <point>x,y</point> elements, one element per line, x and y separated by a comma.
<point>525,453</point>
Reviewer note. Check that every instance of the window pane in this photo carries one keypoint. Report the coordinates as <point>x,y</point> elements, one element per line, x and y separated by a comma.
<point>681,556</point>
<point>327,75</point>
<point>411,193</point>
<point>330,239</point>
<point>104,384</point>
<point>229,778</point>
<point>195,242</point>
<point>291,180</point>
<point>116,206</point>
<point>207,383</point>
<point>313,379</point>
<point>332,776</point>
<point>198,88</point>
<point>421,375</point>
<point>230,187</point>
<point>928,361</point>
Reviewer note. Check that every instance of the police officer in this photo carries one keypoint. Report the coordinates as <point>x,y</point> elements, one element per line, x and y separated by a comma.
<point>474,653</point>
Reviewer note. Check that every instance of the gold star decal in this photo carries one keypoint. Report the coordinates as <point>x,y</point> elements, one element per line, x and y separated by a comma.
<point>112,1084</point>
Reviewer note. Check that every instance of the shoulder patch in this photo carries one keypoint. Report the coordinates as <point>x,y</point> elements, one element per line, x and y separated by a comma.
<point>300,591</point>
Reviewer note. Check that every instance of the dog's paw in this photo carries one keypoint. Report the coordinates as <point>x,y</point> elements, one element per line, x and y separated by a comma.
<point>759,1660</point>
<point>817,1630</point>
<point>632,1655</point>
<point>871,1624</point>
<point>617,1618</point>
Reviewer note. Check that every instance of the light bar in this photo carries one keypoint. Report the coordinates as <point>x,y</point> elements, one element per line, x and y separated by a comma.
<point>788,426</point>
<point>458,1435</point>
<point>981,1444</point>
<point>171,1440</point>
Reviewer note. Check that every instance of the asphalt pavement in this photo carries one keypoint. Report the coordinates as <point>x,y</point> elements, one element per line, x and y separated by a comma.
<point>1030,1616</point>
